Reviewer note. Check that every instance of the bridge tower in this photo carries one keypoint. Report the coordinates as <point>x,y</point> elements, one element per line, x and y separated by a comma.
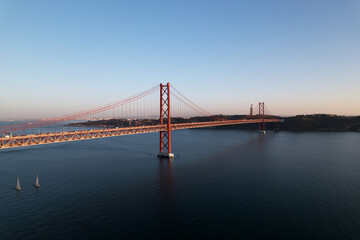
<point>165,135</point>
<point>262,115</point>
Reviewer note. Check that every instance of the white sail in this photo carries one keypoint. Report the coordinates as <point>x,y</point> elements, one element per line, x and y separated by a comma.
<point>18,185</point>
<point>37,182</point>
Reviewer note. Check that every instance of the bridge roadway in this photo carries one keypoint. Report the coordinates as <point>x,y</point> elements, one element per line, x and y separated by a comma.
<point>45,138</point>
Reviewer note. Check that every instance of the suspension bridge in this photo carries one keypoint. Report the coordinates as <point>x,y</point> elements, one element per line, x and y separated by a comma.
<point>159,109</point>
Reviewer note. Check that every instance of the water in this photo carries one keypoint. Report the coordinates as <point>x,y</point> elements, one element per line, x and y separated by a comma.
<point>60,127</point>
<point>223,184</point>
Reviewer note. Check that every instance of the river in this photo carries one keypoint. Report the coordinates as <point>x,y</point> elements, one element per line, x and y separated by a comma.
<point>222,184</point>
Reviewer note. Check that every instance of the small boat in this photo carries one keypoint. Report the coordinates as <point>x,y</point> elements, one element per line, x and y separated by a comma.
<point>37,182</point>
<point>18,185</point>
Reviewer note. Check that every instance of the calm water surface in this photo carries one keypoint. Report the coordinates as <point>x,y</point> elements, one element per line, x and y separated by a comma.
<point>223,184</point>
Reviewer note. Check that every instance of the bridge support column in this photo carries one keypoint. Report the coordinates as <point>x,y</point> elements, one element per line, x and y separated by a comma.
<point>262,115</point>
<point>165,135</point>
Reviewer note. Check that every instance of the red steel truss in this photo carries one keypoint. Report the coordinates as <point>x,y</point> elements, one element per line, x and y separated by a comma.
<point>37,139</point>
<point>132,104</point>
<point>262,115</point>
<point>165,135</point>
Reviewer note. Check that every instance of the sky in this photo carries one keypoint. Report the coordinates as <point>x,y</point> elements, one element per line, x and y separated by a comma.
<point>299,57</point>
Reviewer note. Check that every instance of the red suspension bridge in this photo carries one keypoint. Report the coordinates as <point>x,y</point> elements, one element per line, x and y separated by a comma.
<point>133,115</point>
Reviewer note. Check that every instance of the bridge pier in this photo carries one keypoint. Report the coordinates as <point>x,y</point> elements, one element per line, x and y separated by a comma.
<point>165,135</point>
<point>166,155</point>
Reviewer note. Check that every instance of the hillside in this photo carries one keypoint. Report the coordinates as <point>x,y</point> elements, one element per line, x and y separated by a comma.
<point>315,122</point>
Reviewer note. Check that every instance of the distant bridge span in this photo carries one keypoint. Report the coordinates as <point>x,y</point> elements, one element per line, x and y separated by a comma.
<point>165,127</point>
<point>37,139</point>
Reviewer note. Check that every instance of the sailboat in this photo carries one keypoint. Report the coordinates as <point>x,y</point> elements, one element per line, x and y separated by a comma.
<point>37,182</point>
<point>18,185</point>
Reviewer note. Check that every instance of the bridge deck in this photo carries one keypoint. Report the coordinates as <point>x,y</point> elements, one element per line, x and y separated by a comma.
<point>36,139</point>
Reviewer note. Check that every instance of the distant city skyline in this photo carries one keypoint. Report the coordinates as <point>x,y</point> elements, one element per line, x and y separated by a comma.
<point>299,57</point>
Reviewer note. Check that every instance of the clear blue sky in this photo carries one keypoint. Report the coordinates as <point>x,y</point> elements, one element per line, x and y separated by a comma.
<point>63,56</point>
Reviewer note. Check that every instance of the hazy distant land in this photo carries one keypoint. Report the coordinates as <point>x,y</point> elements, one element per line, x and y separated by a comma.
<point>315,122</point>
